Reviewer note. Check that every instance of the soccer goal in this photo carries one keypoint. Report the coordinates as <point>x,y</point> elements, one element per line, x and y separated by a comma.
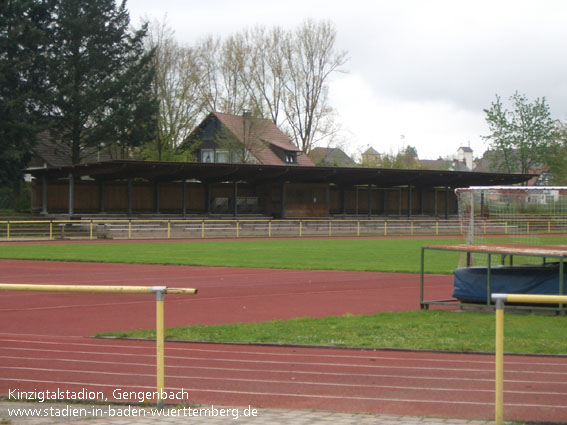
<point>524,213</point>
<point>517,215</point>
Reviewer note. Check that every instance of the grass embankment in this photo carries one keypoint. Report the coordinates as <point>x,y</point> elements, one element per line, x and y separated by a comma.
<point>426,330</point>
<point>386,255</point>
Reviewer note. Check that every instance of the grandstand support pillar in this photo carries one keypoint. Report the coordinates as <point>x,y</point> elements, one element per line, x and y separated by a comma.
<point>343,199</point>
<point>129,196</point>
<point>328,196</point>
<point>235,198</point>
<point>71,195</point>
<point>184,198</point>
<point>356,209</point>
<point>369,200</point>
<point>43,195</point>
<point>101,187</point>
<point>208,197</point>
<point>435,202</point>
<point>446,202</point>
<point>282,200</point>
<point>156,196</point>
<point>409,200</point>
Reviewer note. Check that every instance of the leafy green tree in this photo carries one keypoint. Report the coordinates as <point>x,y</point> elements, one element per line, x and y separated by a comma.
<point>556,158</point>
<point>522,138</point>
<point>99,79</point>
<point>405,158</point>
<point>23,26</point>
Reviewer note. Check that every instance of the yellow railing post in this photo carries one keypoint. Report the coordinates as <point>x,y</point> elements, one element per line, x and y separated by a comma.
<point>129,229</point>
<point>160,344</point>
<point>168,229</point>
<point>500,299</point>
<point>50,230</point>
<point>385,228</point>
<point>358,228</point>
<point>499,375</point>
<point>300,228</point>
<point>8,230</point>
<point>91,231</point>
<point>237,229</point>
<point>270,228</point>
<point>330,228</point>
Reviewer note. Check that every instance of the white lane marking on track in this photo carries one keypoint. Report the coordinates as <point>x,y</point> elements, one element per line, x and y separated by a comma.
<point>287,382</point>
<point>101,353</point>
<point>340,397</point>
<point>364,355</point>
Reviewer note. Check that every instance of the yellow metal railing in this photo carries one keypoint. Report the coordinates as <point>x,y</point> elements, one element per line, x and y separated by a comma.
<point>159,291</point>
<point>500,300</point>
<point>237,228</point>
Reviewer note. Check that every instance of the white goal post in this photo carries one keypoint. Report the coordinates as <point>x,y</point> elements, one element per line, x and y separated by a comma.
<point>533,215</point>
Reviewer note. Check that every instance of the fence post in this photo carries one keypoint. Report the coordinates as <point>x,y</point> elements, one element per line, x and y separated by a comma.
<point>237,228</point>
<point>499,378</point>
<point>8,230</point>
<point>270,228</point>
<point>160,344</point>
<point>202,229</point>
<point>91,231</point>
<point>168,229</point>
<point>50,230</point>
<point>300,228</point>
<point>130,229</point>
<point>358,228</point>
<point>385,227</point>
<point>437,227</point>
<point>330,228</point>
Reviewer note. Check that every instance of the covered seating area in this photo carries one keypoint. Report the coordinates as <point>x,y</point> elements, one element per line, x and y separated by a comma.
<point>180,188</point>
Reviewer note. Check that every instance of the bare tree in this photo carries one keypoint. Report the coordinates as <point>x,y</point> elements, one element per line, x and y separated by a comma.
<point>264,73</point>
<point>311,58</point>
<point>176,85</point>
<point>210,86</point>
<point>222,66</point>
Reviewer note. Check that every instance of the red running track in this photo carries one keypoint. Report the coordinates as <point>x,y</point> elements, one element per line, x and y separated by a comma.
<point>44,344</point>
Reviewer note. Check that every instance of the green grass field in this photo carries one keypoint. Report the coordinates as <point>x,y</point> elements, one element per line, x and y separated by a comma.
<point>437,330</point>
<point>429,330</point>
<point>386,255</point>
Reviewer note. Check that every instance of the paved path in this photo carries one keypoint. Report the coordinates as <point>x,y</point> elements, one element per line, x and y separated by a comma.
<point>232,415</point>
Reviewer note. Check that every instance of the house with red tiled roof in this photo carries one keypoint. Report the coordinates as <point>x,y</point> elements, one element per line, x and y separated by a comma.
<point>226,138</point>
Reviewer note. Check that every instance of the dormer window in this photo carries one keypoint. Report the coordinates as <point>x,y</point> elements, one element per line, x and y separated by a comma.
<point>290,157</point>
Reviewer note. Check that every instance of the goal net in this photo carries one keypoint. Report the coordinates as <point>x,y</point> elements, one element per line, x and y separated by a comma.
<point>491,215</point>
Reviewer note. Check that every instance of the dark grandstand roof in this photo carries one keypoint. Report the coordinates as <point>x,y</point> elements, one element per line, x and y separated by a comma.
<point>255,173</point>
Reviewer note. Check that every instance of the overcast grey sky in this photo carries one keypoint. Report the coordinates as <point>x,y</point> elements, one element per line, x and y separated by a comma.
<point>420,72</point>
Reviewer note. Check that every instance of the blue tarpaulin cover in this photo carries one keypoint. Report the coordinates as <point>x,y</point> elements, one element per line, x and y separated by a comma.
<point>470,282</point>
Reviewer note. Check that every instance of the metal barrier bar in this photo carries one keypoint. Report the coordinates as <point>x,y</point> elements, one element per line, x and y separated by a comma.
<point>87,229</point>
<point>159,291</point>
<point>500,300</point>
